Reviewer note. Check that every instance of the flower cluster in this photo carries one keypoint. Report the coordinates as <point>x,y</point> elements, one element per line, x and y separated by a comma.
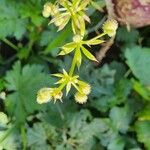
<point>62,12</point>
<point>47,94</point>
<point>83,89</point>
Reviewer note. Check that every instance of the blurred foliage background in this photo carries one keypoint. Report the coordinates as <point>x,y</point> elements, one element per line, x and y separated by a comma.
<point>117,114</point>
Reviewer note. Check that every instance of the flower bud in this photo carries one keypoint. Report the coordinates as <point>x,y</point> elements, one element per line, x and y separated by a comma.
<point>57,94</point>
<point>47,10</point>
<point>110,27</point>
<point>55,10</point>
<point>86,88</point>
<point>44,95</point>
<point>81,98</point>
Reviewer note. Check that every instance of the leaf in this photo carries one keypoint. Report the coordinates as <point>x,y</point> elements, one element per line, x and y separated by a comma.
<point>144,115</point>
<point>80,130</point>
<point>129,37</point>
<point>98,5</point>
<point>3,119</point>
<point>138,60</point>
<point>31,10</point>
<point>81,25</point>
<point>78,57</point>
<point>58,40</point>
<point>88,54</point>
<point>68,48</point>
<point>46,37</point>
<point>106,132</point>
<point>121,118</point>
<point>93,42</point>
<point>24,84</point>
<point>141,90</point>
<point>68,87</point>
<point>10,19</point>
<point>122,89</point>
<point>143,132</point>
<point>11,142</point>
<point>37,137</point>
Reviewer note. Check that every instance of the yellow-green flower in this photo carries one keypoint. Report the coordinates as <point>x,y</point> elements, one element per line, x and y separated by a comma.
<point>66,11</point>
<point>81,98</point>
<point>67,80</point>
<point>78,46</point>
<point>110,27</point>
<point>44,95</point>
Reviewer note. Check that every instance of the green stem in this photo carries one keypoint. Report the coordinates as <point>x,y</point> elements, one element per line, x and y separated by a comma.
<point>73,64</point>
<point>10,44</point>
<point>99,36</point>
<point>97,26</point>
<point>62,86</point>
<point>127,73</point>
<point>24,139</point>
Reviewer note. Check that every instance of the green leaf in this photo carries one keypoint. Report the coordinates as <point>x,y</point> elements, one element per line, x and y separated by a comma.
<point>11,24</point>
<point>88,54</point>
<point>121,118</point>
<point>106,132</point>
<point>144,115</point>
<point>93,42</point>
<point>98,5</point>
<point>37,137</point>
<point>68,48</point>
<point>78,58</point>
<point>24,84</point>
<point>141,90</point>
<point>129,37</point>
<point>2,84</point>
<point>32,10</point>
<point>46,37</point>
<point>138,60</point>
<point>11,142</point>
<point>3,119</point>
<point>143,132</point>
<point>58,40</point>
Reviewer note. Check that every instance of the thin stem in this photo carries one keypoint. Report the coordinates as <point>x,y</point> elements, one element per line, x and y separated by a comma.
<point>127,73</point>
<point>99,36</point>
<point>73,64</point>
<point>23,135</point>
<point>62,86</point>
<point>97,26</point>
<point>10,44</point>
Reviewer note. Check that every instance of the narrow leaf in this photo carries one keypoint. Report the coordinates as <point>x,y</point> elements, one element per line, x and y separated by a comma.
<point>88,54</point>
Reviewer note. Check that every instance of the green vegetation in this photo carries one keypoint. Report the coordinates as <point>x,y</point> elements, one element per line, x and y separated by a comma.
<point>112,113</point>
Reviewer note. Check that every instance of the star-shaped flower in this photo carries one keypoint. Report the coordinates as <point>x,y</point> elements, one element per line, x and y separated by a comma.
<point>67,80</point>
